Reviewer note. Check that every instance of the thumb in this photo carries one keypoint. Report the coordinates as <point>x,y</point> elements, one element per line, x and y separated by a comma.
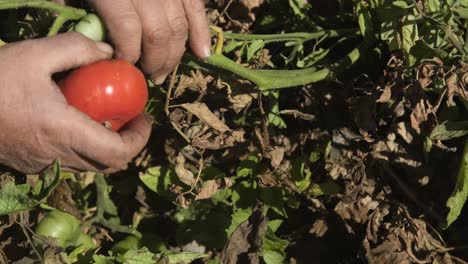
<point>69,50</point>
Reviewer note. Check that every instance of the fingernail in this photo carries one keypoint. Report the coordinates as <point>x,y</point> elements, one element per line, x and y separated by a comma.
<point>206,52</point>
<point>160,80</point>
<point>104,47</point>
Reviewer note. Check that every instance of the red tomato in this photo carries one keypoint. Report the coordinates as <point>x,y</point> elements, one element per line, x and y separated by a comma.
<point>111,92</point>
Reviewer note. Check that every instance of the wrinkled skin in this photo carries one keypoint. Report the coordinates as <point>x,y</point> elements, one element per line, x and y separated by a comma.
<point>37,124</point>
<point>155,31</point>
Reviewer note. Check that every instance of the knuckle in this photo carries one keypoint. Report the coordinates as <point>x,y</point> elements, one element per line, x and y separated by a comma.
<point>179,27</point>
<point>158,36</point>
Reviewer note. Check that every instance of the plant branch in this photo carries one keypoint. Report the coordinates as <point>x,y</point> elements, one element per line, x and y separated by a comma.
<point>101,189</point>
<point>297,36</point>
<point>65,13</point>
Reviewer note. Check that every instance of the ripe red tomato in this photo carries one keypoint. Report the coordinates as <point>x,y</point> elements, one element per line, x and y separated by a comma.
<point>111,92</point>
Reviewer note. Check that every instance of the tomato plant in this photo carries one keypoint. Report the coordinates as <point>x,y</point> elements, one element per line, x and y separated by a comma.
<point>64,228</point>
<point>111,92</point>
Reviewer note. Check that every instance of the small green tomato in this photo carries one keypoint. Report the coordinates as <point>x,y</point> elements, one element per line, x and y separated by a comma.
<point>92,27</point>
<point>61,226</point>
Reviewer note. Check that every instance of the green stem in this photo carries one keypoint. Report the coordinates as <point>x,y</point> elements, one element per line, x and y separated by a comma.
<point>57,25</point>
<point>276,79</point>
<point>69,12</point>
<point>304,36</point>
<point>101,189</point>
<point>65,13</point>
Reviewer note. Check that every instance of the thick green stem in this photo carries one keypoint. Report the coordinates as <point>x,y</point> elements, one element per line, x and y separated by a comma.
<point>276,79</point>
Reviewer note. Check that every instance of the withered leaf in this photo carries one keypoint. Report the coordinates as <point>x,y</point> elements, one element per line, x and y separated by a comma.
<point>246,240</point>
<point>183,173</point>
<point>209,188</point>
<point>203,113</point>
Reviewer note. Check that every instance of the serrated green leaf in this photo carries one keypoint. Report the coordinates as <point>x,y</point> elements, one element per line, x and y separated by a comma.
<point>458,198</point>
<point>449,129</point>
<point>14,198</point>
<point>254,47</point>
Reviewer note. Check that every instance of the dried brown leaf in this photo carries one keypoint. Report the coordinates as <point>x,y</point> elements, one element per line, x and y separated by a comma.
<point>184,175</point>
<point>203,113</point>
<point>209,188</point>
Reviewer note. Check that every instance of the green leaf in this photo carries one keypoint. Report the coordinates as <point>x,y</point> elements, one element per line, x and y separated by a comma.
<point>458,198</point>
<point>184,257</point>
<point>365,21</point>
<point>158,179</point>
<point>273,249</point>
<point>409,36</point>
<point>14,198</point>
<point>231,46</point>
<point>433,6</point>
<point>237,218</point>
<point>140,256</point>
<point>449,129</point>
<point>247,167</point>
<point>49,180</point>
<point>402,4</point>
<point>100,259</point>
<point>300,174</point>
<point>255,47</point>
<point>274,224</point>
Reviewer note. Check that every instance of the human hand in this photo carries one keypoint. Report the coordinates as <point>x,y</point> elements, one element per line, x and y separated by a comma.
<point>37,126</point>
<point>156,31</point>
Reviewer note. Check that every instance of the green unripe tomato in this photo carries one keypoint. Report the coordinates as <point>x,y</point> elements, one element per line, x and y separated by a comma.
<point>61,226</point>
<point>126,244</point>
<point>92,27</point>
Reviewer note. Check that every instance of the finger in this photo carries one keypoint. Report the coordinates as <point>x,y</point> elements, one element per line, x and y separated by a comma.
<point>123,24</point>
<point>164,36</point>
<point>67,51</point>
<point>199,32</point>
<point>102,148</point>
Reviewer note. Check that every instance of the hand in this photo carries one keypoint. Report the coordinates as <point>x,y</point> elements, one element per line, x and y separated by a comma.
<point>37,125</point>
<point>157,30</point>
